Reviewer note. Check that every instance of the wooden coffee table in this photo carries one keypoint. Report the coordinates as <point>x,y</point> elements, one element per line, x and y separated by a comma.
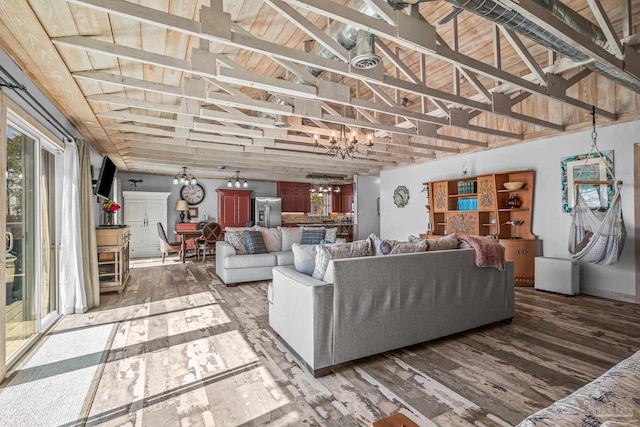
<point>397,420</point>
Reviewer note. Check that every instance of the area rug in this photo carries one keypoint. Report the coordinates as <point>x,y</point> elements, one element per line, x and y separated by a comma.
<point>56,385</point>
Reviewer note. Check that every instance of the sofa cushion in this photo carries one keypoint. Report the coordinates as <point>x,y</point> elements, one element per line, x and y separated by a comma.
<point>290,235</point>
<point>311,237</point>
<point>304,258</point>
<point>392,247</point>
<point>249,261</point>
<point>238,229</point>
<point>284,257</point>
<point>324,254</point>
<point>443,243</point>
<point>235,239</point>
<point>254,242</point>
<point>272,238</point>
<point>330,234</point>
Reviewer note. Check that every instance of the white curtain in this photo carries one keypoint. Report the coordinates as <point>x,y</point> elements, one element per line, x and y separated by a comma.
<point>72,294</point>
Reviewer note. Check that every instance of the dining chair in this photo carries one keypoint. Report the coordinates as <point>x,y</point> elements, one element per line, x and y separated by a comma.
<point>211,233</point>
<point>166,246</point>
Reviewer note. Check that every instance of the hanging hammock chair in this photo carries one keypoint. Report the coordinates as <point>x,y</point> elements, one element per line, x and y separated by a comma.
<point>595,238</point>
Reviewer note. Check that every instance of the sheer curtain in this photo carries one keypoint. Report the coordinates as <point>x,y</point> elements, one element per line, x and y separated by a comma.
<point>88,227</point>
<point>79,285</point>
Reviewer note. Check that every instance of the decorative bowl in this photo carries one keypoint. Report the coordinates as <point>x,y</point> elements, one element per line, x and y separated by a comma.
<point>513,185</point>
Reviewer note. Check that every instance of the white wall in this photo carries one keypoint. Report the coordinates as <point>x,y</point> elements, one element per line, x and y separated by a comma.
<point>367,218</point>
<point>208,206</point>
<point>550,223</point>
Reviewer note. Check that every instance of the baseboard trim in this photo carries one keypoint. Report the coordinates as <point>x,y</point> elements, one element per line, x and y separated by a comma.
<point>610,295</point>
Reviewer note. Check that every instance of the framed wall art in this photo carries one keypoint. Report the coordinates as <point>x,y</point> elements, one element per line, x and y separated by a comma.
<point>586,167</point>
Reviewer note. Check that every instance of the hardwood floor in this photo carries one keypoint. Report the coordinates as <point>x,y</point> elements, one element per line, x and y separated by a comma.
<point>189,351</point>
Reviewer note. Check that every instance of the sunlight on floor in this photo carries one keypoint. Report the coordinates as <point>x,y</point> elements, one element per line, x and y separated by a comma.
<point>153,262</point>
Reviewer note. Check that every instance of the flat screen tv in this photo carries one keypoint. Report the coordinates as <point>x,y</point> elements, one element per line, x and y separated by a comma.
<point>105,179</point>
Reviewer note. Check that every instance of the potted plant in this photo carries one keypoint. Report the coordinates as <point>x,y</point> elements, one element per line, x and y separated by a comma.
<point>110,208</point>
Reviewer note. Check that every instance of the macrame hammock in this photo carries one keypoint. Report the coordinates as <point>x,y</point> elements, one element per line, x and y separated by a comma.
<point>595,238</point>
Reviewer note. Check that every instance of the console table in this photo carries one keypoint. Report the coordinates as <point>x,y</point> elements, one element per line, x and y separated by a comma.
<point>113,258</point>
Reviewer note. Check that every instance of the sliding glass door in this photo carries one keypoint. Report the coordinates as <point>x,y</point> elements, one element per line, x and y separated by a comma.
<point>31,280</point>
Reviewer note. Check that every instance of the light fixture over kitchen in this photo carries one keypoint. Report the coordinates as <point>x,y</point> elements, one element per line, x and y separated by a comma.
<point>237,181</point>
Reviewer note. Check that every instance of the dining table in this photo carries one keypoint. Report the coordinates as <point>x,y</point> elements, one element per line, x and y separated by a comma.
<point>184,236</point>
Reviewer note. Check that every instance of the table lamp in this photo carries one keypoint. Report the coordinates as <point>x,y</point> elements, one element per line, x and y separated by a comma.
<point>182,206</point>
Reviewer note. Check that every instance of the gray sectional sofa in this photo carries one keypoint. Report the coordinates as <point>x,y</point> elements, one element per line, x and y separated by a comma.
<point>365,306</point>
<point>232,268</point>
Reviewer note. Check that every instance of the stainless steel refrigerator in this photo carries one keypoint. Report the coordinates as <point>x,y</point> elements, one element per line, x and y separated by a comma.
<point>267,211</point>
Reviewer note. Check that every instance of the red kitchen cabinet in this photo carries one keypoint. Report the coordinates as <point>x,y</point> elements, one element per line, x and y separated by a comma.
<point>234,208</point>
<point>295,196</point>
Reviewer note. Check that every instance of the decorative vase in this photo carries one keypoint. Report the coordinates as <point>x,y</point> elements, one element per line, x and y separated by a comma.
<point>513,202</point>
<point>108,218</point>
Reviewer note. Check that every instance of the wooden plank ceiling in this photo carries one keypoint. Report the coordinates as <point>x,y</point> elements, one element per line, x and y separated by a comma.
<point>161,84</point>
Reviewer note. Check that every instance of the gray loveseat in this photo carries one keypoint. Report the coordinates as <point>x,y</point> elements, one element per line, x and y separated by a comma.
<point>369,305</point>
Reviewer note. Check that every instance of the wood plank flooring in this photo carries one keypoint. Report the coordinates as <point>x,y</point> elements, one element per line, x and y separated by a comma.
<point>191,352</point>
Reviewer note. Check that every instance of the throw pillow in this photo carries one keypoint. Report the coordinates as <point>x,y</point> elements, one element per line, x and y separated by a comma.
<point>413,239</point>
<point>311,237</point>
<point>272,238</point>
<point>235,239</point>
<point>443,243</point>
<point>290,235</point>
<point>330,234</point>
<point>254,242</point>
<point>392,247</point>
<point>373,245</point>
<point>324,254</point>
<point>304,258</point>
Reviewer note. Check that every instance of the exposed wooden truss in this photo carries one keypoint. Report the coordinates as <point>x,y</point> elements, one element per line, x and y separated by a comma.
<point>234,80</point>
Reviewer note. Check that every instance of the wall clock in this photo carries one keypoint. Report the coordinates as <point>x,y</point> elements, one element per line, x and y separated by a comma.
<point>192,193</point>
<point>401,196</point>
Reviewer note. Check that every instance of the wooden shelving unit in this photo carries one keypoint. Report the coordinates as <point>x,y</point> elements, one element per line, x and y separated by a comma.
<point>490,216</point>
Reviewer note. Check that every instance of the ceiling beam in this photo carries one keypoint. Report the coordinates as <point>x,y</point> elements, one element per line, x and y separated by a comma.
<point>524,54</point>
<point>311,30</point>
<point>605,25</point>
<point>244,41</point>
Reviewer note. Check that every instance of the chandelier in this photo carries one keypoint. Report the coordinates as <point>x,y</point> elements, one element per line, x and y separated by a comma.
<point>237,181</point>
<point>344,147</point>
<point>184,178</point>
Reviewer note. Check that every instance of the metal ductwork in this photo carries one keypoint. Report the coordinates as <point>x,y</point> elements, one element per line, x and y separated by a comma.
<point>365,57</point>
<point>497,13</point>
<point>349,36</point>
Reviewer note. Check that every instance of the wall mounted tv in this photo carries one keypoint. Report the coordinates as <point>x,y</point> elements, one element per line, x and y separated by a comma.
<point>105,179</point>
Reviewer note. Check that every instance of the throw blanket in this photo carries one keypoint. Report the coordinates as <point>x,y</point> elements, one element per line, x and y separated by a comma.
<point>489,253</point>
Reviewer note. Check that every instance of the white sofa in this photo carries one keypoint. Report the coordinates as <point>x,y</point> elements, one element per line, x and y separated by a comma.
<point>233,268</point>
<point>365,306</point>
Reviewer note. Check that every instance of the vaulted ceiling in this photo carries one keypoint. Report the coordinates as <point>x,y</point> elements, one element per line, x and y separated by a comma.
<point>260,86</point>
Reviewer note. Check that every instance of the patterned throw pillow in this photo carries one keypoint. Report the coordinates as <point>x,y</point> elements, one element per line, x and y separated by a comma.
<point>392,247</point>
<point>324,254</point>
<point>235,239</point>
<point>312,237</point>
<point>330,234</point>
<point>254,242</point>
<point>443,243</point>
